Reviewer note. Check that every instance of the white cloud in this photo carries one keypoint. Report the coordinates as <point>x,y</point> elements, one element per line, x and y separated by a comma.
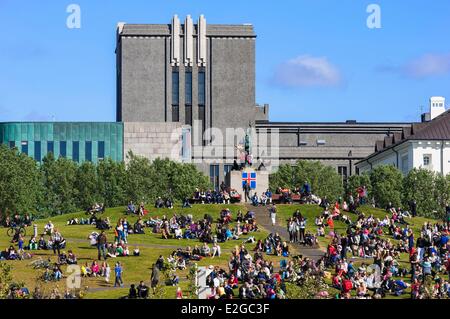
<point>307,71</point>
<point>428,65</point>
<point>425,66</point>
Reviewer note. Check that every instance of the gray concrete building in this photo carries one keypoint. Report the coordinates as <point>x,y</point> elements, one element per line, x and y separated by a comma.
<point>188,78</point>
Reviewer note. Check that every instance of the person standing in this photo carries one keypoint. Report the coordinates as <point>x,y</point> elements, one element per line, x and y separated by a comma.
<point>273,214</point>
<point>118,270</point>
<point>413,207</point>
<point>246,188</point>
<point>56,241</point>
<point>301,228</point>
<point>101,245</point>
<point>107,272</point>
<point>154,279</point>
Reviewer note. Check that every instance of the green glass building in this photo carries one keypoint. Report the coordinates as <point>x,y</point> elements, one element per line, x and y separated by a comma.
<point>78,141</point>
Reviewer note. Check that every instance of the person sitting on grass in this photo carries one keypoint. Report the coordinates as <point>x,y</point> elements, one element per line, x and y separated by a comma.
<point>142,290</point>
<point>178,233</point>
<point>216,250</point>
<point>86,270</point>
<point>33,245</point>
<point>57,272</point>
<point>95,269</point>
<point>205,250</point>
<point>132,293</point>
<point>71,258</point>
<point>62,258</point>
<point>12,253</point>
<point>42,244</point>
<point>181,264</point>
<point>48,228</point>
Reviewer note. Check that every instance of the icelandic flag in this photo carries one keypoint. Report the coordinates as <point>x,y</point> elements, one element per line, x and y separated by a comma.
<point>250,178</point>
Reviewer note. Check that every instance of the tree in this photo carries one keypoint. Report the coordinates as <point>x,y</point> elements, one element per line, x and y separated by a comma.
<point>59,180</point>
<point>140,182</point>
<point>112,182</point>
<point>87,185</point>
<point>20,184</point>
<point>386,182</point>
<point>356,181</point>
<point>324,180</point>
<point>430,191</point>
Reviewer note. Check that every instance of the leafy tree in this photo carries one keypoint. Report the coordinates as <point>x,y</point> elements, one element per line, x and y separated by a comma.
<point>112,182</point>
<point>442,192</point>
<point>87,185</point>
<point>431,191</point>
<point>20,185</point>
<point>324,180</point>
<point>356,181</point>
<point>386,182</point>
<point>59,180</point>
<point>139,179</point>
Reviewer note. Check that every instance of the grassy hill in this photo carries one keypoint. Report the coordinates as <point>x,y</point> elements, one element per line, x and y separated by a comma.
<point>152,245</point>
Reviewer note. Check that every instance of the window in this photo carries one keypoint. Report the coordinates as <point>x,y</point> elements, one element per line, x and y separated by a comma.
<point>50,147</point>
<point>101,150</point>
<point>214,175</point>
<point>188,97</point>
<point>175,96</point>
<point>37,151</point>
<point>188,119</point>
<point>342,171</point>
<point>227,168</point>
<point>426,160</point>
<point>24,147</point>
<point>202,117</point>
<point>188,88</point>
<point>63,148</point>
<point>201,88</point>
<point>88,151</point>
<point>76,151</point>
<point>405,164</point>
<point>12,144</point>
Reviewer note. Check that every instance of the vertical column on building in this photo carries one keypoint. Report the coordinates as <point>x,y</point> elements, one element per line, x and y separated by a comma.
<point>174,63</point>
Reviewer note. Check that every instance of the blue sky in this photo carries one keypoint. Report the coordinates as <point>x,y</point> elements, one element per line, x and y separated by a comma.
<point>315,60</point>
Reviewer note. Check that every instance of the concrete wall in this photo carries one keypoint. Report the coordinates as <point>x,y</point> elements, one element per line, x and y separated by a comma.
<point>143,80</point>
<point>153,140</point>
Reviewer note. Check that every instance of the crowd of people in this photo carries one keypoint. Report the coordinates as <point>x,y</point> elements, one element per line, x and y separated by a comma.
<point>370,257</point>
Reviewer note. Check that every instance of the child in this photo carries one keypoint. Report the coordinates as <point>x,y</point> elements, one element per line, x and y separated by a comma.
<point>20,243</point>
<point>107,272</point>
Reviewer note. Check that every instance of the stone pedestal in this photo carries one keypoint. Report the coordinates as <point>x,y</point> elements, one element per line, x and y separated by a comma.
<point>234,180</point>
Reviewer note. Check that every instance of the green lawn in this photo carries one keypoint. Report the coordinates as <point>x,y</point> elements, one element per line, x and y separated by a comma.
<point>135,268</point>
<point>152,245</point>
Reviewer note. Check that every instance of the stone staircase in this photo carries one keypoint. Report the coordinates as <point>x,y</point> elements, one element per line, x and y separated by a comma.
<point>263,219</point>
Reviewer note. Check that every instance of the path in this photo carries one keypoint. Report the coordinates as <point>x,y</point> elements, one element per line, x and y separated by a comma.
<point>263,218</point>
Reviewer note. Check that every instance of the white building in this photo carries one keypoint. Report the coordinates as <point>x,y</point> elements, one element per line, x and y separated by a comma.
<point>423,145</point>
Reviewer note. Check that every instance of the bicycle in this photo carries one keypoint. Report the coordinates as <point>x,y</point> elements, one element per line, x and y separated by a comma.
<point>13,230</point>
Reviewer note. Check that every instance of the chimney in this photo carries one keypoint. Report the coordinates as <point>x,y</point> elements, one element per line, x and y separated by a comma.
<point>437,106</point>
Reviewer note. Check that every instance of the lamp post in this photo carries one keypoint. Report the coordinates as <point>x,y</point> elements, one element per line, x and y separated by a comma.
<point>350,154</point>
